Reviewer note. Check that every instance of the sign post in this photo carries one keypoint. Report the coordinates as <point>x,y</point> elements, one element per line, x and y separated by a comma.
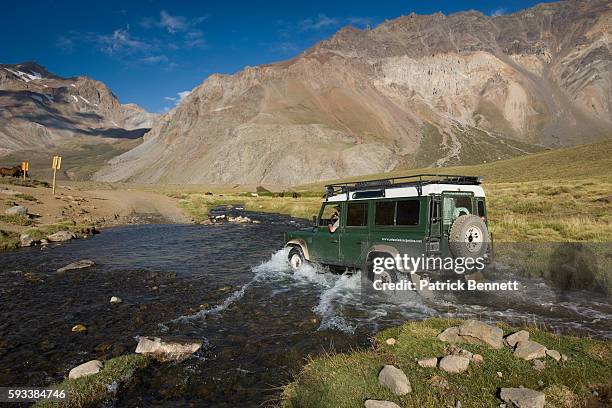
<point>57,164</point>
<point>25,168</point>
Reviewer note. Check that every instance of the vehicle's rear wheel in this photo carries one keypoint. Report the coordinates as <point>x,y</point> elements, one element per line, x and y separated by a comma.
<point>468,237</point>
<point>296,258</point>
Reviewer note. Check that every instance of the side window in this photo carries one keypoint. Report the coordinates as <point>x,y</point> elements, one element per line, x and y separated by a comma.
<point>481,208</point>
<point>408,212</point>
<point>385,213</point>
<point>328,212</point>
<point>357,214</point>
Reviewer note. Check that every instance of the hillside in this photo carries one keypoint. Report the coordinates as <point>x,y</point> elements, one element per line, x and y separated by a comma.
<point>419,90</point>
<point>40,111</point>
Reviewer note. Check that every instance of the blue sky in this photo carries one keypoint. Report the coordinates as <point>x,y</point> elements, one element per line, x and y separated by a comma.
<point>151,52</point>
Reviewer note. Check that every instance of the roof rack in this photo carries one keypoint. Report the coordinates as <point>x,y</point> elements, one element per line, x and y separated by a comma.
<point>416,180</point>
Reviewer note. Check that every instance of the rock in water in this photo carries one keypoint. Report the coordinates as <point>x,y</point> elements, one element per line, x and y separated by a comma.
<point>523,397</point>
<point>380,404</point>
<point>529,350</point>
<point>394,379</point>
<point>514,338</point>
<point>116,299</point>
<point>26,240</point>
<point>429,362</point>
<point>475,332</point>
<point>167,349</point>
<point>17,210</point>
<point>454,364</point>
<point>85,369</point>
<point>61,236</point>
<point>79,328</point>
<point>82,264</point>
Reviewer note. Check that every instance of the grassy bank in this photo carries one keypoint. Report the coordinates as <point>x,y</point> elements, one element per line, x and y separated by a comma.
<point>347,380</point>
<point>97,389</point>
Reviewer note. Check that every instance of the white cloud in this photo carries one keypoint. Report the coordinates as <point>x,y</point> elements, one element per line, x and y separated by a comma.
<point>178,98</point>
<point>119,42</point>
<point>172,24</point>
<point>318,23</point>
<point>154,59</point>
<point>500,11</point>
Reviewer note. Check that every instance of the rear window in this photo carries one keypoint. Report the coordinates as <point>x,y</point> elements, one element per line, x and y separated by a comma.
<point>357,215</point>
<point>481,208</point>
<point>402,213</point>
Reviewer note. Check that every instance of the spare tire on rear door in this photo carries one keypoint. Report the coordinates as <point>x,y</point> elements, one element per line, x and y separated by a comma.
<point>468,237</point>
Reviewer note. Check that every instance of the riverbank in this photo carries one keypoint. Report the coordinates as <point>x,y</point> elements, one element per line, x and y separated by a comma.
<point>348,380</point>
<point>79,208</point>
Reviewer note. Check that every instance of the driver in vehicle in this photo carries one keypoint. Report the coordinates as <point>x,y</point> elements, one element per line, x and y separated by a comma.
<point>334,221</point>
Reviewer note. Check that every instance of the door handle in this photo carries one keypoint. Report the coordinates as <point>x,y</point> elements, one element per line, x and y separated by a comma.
<point>335,241</point>
<point>359,242</point>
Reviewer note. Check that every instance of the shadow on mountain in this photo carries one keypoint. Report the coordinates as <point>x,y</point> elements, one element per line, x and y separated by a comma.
<point>118,133</point>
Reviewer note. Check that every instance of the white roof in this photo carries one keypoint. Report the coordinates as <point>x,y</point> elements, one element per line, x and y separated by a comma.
<point>399,192</point>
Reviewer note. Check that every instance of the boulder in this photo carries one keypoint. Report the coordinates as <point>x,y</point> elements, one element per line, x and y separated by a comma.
<point>61,236</point>
<point>475,332</point>
<point>19,210</point>
<point>82,264</point>
<point>394,379</point>
<point>380,404</point>
<point>450,335</point>
<point>554,354</point>
<point>85,369</point>
<point>26,240</point>
<point>429,362</point>
<point>115,299</point>
<point>514,338</point>
<point>168,349</point>
<point>529,350</point>
<point>454,364</point>
<point>523,397</point>
<point>391,341</point>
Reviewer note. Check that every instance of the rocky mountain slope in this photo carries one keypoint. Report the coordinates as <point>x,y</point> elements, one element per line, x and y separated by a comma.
<point>41,111</point>
<point>418,90</point>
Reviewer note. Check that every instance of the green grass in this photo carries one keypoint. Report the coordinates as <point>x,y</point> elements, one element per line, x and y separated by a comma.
<point>347,380</point>
<point>16,220</point>
<point>9,240</point>
<point>92,391</point>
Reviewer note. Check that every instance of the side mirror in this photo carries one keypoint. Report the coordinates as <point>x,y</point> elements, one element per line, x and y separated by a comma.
<point>314,221</point>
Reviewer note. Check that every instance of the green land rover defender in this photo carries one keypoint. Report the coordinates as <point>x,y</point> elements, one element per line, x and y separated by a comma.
<point>426,215</point>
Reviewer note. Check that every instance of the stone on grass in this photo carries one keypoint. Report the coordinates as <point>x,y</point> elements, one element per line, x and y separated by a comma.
<point>529,350</point>
<point>168,349</point>
<point>82,264</point>
<point>428,362</point>
<point>523,397</point>
<point>454,364</point>
<point>115,299</point>
<point>391,341</point>
<point>19,210</point>
<point>85,369</point>
<point>450,335</point>
<point>563,357</point>
<point>475,332</point>
<point>394,379</point>
<point>380,404</point>
<point>514,338</point>
<point>539,365</point>
<point>477,358</point>
<point>554,354</point>
<point>61,236</point>
<point>26,240</point>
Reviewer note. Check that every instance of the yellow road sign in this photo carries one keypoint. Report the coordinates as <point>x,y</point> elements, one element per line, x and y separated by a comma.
<point>57,162</point>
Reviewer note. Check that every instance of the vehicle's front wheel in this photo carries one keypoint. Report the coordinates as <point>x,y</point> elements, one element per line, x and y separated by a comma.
<point>296,258</point>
